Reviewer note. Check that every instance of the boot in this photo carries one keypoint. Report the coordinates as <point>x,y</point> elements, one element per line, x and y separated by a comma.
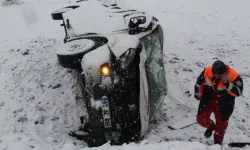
<point>208,133</point>
<point>216,142</point>
<point>218,138</point>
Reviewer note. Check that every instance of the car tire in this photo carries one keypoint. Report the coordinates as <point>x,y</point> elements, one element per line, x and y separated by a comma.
<point>70,55</point>
<point>57,14</point>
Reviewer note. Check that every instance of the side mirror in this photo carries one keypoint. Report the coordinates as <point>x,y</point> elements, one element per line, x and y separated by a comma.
<point>136,21</point>
<point>57,15</point>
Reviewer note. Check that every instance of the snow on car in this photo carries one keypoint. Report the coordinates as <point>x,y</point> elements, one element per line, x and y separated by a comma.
<point>118,52</point>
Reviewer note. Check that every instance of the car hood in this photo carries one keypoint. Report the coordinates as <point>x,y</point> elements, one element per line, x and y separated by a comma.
<point>120,43</point>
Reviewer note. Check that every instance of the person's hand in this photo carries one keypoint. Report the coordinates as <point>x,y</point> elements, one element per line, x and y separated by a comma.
<point>222,93</point>
<point>197,96</point>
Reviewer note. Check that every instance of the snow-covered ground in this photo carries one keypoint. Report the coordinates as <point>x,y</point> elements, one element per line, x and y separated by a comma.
<point>37,96</point>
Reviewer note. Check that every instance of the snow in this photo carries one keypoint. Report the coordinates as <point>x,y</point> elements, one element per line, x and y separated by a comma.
<point>37,96</point>
<point>75,47</point>
<point>82,23</point>
<point>90,60</point>
<point>123,42</point>
<point>144,101</point>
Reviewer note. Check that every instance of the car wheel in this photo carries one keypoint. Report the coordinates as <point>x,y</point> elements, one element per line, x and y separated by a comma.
<point>70,54</point>
<point>57,15</point>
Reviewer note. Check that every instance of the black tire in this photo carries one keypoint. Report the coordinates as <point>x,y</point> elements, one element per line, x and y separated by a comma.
<point>70,55</point>
<point>57,15</point>
<point>73,60</point>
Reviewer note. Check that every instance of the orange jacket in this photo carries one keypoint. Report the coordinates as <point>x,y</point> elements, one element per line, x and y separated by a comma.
<point>234,84</point>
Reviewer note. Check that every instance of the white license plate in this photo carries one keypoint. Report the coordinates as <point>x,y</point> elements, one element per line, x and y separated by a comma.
<point>106,112</point>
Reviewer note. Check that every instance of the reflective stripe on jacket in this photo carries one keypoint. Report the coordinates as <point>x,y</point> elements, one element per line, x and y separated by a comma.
<point>234,86</point>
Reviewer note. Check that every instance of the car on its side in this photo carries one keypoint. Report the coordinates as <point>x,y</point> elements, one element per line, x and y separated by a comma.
<point>119,53</point>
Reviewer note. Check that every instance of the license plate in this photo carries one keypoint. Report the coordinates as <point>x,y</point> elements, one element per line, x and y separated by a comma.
<point>106,112</point>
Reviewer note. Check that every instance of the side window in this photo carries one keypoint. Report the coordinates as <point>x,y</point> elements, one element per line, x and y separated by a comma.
<point>155,68</point>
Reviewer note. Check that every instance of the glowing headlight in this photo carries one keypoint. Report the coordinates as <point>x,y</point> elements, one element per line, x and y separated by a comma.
<point>105,70</point>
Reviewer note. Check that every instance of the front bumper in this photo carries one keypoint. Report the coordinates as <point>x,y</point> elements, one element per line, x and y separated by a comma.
<point>117,102</point>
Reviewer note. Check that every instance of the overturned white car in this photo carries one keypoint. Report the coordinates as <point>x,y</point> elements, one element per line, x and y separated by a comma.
<point>119,54</point>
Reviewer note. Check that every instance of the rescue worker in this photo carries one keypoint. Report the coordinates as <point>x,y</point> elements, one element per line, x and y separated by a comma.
<point>216,89</point>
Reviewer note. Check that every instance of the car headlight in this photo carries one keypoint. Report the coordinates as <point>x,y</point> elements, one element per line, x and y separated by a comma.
<point>127,58</point>
<point>105,70</point>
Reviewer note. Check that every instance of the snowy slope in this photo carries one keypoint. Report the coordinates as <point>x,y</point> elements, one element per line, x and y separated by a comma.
<point>37,96</point>
<point>196,34</point>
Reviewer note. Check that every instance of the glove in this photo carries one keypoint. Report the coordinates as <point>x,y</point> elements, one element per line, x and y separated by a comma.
<point>196,96</point>
<point>222,93</point>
